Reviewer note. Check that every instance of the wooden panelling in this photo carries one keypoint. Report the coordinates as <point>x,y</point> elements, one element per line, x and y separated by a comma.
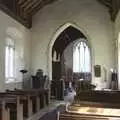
<point>23,10</point>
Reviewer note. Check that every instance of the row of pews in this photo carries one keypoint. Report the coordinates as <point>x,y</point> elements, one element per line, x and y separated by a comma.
<point>88,111</point>
<point>73,116</point>
<point>93,105</point>
<point>21,104</point>
<point>99,96</point>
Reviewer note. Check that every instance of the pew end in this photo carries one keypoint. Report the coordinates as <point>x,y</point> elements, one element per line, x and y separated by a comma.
<point>19,104</point>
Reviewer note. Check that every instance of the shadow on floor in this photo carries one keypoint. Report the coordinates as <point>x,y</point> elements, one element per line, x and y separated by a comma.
<point>52,115</point>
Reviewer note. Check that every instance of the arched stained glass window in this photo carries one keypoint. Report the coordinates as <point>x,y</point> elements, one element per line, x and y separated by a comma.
<point>81,57</point>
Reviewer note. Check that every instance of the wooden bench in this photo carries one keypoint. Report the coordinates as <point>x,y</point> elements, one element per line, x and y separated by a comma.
<point>70,116</point>
<point>21,103</point>
<point>33,101</point>
<point>112,97</point>
<point>8,105</point>
<point>91,109</point>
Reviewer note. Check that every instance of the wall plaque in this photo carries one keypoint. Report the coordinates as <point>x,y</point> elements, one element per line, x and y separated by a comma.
<point>97,70</point>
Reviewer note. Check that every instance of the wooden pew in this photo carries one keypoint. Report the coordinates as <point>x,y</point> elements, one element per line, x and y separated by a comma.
<point>40,95</point>
<point>5,112</point>
<point>111,97</point>
<point>4,109</point>
<point>21,102</point>
<point>10,103</point>
<point>70,116</point>
<point>93,105</point>
<point>96,110</point>
<point>31,99</point>
<point>26,100</point>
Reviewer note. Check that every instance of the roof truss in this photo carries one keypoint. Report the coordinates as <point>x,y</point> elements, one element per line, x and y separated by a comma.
<point>23,10</point>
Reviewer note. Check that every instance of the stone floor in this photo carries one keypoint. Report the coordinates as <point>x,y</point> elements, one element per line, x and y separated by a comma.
<point>54,104</point>
<point>52,113</point>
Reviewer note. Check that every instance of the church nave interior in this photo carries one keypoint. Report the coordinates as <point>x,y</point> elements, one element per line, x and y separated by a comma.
<point>59,59</point>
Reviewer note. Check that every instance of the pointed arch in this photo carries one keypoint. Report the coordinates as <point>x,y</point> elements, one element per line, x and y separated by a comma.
<point>51,43</point>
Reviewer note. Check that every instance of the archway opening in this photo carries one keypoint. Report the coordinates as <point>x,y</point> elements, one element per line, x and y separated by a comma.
<point>64,55</point>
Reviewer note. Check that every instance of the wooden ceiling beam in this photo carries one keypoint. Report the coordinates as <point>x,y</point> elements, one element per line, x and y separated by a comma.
<point>31,5</point>
<point>23,10</point>
<point>20,1</point>
<point>27,23</point>
<point>27,2</point>
<point>40,6</point>
<point>35,7</point>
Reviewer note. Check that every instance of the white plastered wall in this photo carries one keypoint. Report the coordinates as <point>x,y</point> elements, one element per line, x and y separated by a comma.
<point>88,15</point>
<point>7,24</point>
<point>117,43</point>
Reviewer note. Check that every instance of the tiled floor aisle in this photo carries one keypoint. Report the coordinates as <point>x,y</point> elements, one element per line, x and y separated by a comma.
<point>50,112</point>
<point>52,115</point>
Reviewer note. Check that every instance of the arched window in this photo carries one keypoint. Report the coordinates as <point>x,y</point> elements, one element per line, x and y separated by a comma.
<point>10,59</point>
<point>81,57</point>
<point>14,55</point>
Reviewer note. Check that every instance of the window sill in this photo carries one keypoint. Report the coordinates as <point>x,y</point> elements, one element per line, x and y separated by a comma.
<point>12,80</point>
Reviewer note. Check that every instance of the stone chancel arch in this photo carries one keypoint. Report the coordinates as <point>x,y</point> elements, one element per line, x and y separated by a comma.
<point>56,36</point>
<point>93,21</point>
